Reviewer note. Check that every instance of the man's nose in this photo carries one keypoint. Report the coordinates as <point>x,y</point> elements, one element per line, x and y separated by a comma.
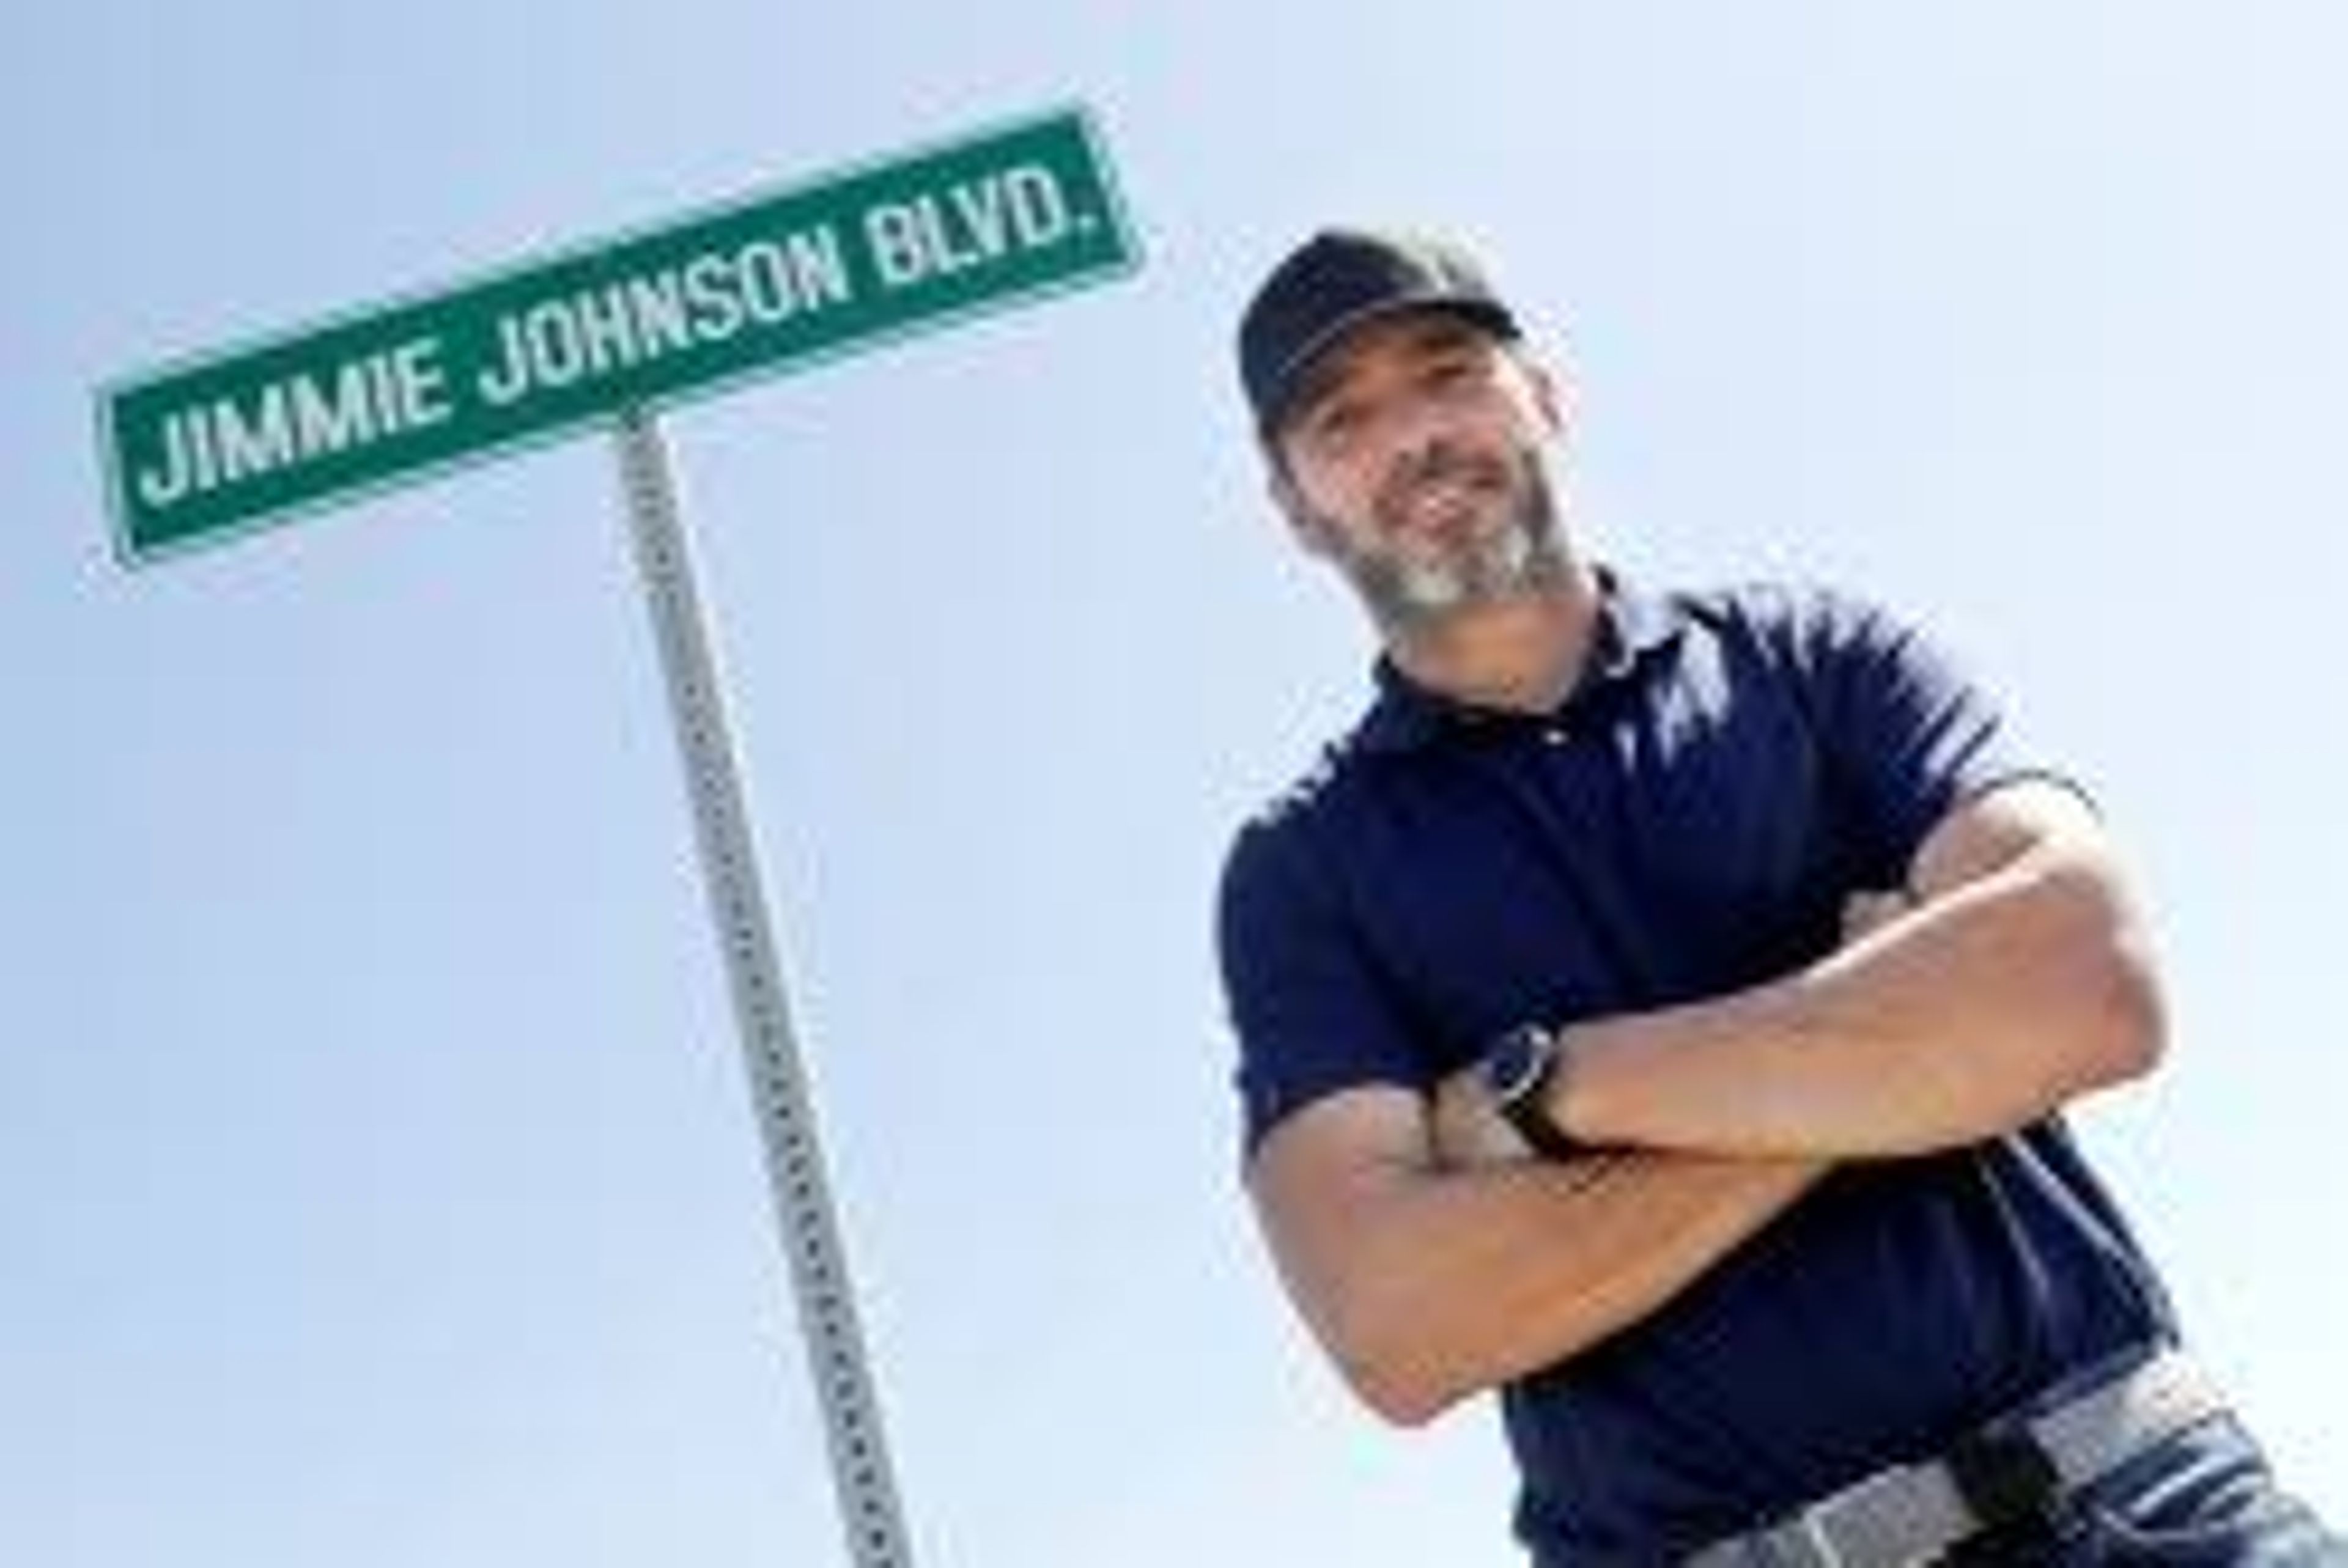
<point>1416,437</point>
<point>1421,452</point>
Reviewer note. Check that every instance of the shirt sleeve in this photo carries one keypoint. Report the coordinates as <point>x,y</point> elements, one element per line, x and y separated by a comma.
<point>1311,1011</point>
<point>1905,735</point>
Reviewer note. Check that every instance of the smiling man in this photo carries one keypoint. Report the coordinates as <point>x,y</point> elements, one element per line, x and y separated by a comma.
<point>1659,1009</point>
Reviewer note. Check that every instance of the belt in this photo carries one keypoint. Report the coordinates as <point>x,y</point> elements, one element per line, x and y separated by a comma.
<point>2010,1470</point>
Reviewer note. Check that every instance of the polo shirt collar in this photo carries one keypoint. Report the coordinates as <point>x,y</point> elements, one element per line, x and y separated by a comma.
<point>1631,624</point>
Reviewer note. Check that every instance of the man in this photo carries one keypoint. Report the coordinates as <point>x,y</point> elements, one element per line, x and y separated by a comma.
<point>1658,1009</point>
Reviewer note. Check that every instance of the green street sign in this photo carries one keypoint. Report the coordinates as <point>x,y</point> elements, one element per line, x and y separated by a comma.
<point>211,447</point>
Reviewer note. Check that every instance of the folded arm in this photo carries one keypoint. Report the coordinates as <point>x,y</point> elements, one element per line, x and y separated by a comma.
<point>1433,1259</point>
<point>2020,977</point>
<point>1427,1281</point>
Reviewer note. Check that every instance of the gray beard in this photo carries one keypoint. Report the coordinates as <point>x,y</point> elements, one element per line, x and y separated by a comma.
<point>1410,599</point>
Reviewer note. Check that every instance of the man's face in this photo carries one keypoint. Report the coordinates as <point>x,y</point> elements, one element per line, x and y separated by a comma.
<point>1413,459</point>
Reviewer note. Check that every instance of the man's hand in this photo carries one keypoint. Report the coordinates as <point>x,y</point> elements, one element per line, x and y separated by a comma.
<point>1466,1128</point>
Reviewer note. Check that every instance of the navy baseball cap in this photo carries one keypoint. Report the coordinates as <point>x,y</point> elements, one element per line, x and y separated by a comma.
<point>1341,279</point>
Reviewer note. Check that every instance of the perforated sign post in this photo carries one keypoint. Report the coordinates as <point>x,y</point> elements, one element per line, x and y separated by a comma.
<point>205,450</point>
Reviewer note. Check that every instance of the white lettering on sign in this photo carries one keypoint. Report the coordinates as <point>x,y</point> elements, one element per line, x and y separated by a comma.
<point>940,234</point>
<point>560,342</point>
<point>291,420</point>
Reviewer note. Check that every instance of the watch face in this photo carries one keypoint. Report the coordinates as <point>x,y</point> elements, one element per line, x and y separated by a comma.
<point>1517,1063</point>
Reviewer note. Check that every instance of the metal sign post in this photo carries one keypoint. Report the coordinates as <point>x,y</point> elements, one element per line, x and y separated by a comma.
<point>861,1473</point>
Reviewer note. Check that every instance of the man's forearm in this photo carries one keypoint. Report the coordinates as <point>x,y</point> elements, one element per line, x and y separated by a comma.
<point>1979,1012</point>
<point>1461,1279</point>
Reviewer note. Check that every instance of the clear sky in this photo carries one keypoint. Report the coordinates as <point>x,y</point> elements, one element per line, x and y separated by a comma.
<point>376,1181</point>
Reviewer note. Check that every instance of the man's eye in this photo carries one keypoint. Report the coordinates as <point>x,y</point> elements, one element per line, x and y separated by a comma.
<point>1334,423</point>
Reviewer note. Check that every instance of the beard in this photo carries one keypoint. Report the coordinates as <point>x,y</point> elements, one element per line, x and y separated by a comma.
<point>1412,588</point>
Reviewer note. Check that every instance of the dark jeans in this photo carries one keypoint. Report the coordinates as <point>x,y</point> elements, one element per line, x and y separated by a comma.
<point>2204,1499</point>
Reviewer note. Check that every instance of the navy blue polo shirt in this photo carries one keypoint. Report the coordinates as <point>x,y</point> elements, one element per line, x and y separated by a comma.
<point>1731,766</point>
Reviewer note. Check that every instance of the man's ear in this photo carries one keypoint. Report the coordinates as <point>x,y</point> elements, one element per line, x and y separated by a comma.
<point>1551,396</point>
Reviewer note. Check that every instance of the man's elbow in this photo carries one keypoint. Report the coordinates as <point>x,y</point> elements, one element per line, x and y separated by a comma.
<point>1396,1391</point>
<point>2123,1028</point>
<point>1392,1362</point>
<point>2131,1026</point>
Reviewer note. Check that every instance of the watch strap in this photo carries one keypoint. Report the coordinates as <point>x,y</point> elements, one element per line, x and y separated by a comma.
<point>1526,1105</point>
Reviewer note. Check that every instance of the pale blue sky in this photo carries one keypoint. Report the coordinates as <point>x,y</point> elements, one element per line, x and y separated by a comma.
<point>377,1184</point>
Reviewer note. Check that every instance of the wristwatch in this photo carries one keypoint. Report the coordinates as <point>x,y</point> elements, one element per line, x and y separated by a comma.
<point>1519,1070</point>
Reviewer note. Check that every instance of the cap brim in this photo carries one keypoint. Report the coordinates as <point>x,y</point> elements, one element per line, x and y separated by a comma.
<point>1288,380</point>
